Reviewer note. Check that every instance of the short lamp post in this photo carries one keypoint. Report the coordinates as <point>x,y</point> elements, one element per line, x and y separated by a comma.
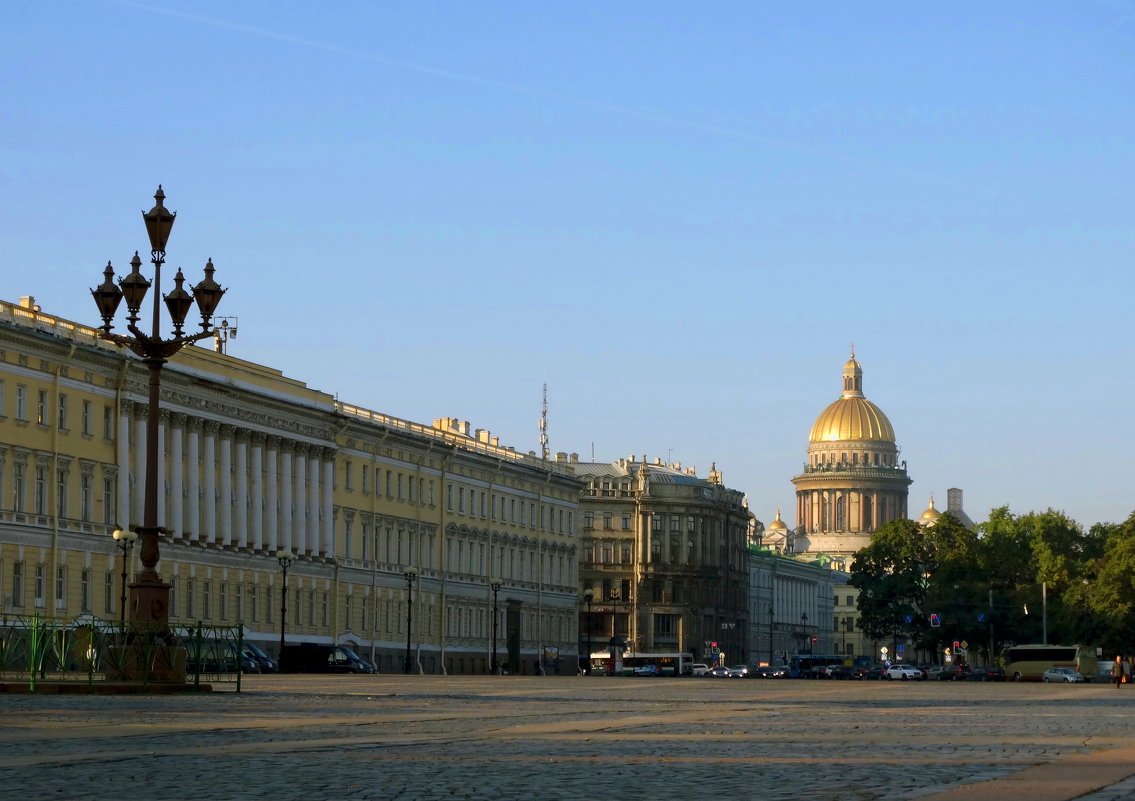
<point>588,596</point>
<point>495,585</point>
<point>125,541</point>
<point>285,558</point>
<point>149,594</point>
<point>411,575</point>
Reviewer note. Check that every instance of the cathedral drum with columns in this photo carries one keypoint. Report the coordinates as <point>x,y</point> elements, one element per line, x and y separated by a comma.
<point>853,482</point>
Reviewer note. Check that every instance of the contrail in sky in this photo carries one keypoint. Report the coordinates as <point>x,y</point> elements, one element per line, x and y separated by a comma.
<point>519,89</point>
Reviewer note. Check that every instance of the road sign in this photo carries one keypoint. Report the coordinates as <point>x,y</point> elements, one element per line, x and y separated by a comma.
<point>883,650</point>
<point>965,645</point>
<point>900,647</point>
<point>815,638</point>
<point>935,621</point>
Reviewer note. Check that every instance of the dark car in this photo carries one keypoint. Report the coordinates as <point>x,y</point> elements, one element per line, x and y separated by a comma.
<point>986,674</point>
<point>769,672</point>
<point>718,672</point>
<point>266,663</point>
<point>316,658</point>
<point>842,672</point>
<point>874,673</point>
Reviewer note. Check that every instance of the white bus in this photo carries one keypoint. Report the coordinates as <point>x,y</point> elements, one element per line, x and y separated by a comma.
<point>1028,662</point>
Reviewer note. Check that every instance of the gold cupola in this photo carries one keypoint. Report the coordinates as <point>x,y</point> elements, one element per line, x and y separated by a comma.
<point>931,515</point>
<point>778,524</point>
<point>852,417</point>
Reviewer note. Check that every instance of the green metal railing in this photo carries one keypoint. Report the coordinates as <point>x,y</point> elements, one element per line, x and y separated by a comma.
<point>37,648</point>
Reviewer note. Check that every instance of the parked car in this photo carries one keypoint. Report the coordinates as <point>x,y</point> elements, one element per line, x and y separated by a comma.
<point>648,670</point>
<point>266,663</point>
<point>1061,674</point>
<point>986,674</point>
<point>310,657</point>
<point>718,672</point>
<point>904,672</point>
<point>740,671</point>
<point>370,666</point>
<point>698,668</point>
<point>842,672</point>
<point>875,673</point>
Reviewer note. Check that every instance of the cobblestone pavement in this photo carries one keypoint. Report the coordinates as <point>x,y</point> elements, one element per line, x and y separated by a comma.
<point>360,738</point>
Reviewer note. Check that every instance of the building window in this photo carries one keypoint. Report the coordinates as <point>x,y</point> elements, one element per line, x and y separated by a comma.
<point>626,522</point>
<point>86,418</point>
<point>449,497</point>
<point>207,600</point>
<point>366,478</point>
<point>85,498</point>
<point>61,492</point>
<point>190,587</point>
<point>19,471</point>
<point>607,521</point>
<point>84,590</point>
<point>108,489</point>
<point>108,422</point>
<point>608,554</point>
<point>625,553</point>
<point>41,407</point>
<point>21,402</point>
<point>18,585</point>
<point>461,500</point>
<point>40,589</point>
<point>656,523</point>
<point>588,521</point>
<point>347,482</point>
<point>63,405</point>
<point>108,593</point>
<point>40,505</point>
<point>224,601</point>
<point>60,587</point>
<point>173,597</point>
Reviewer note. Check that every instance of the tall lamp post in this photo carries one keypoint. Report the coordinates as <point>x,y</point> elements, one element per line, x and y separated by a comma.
<point>411,574</point>
<point>804,630</point>
<point>125,541</point>
<point>495,585</point>
<point>285,558</point>
<point>771,634</point>
<point>149,594</point>
<point>588,595</point>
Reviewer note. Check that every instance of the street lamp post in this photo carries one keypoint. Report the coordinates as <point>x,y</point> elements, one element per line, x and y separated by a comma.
<point>495,585</point>
<point>411,575</point>
<point>125,541</point>
<point>771,633</point>
<point>803,629</point>
<point>285,558</point>
<point>588,595</point>
<point>149,594</point>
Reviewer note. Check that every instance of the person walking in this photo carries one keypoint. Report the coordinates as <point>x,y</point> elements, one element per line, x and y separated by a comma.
<point>1117,671</point>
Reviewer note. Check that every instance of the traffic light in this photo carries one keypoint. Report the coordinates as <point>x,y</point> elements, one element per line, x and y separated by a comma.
<point>935,621</point>
<point>957,645</point>
<point>713,645</point>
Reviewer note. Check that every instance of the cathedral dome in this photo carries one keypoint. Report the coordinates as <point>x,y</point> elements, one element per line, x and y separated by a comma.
<point>931,515</point>
<point>852,417</point>
<point>778,524</point>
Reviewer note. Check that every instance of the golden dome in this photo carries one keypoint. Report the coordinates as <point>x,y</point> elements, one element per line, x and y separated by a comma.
<point>931,514</point>
<point>778,524</point>
<point>852,417</point>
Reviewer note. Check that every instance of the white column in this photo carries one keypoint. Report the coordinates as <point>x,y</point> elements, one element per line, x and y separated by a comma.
<point>162,471</point>
<point>313,518</point>
<point>139,468</point>
<point>272,509</point>
<point>225,468</point>
<point>299,495</point>
<point>286,498</point>
<point>209,486</point>
<point>329,503</point>
<point>240,521</point>
<point>176,522</point>
<point>256,478</point>
<point>193,482</point>
<point>123,516</point>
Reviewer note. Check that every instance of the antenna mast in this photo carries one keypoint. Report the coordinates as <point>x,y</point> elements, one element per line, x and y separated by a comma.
<point>544,426</point>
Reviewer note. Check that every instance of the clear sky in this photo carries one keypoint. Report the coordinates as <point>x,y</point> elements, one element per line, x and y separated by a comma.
<point>678,215</point>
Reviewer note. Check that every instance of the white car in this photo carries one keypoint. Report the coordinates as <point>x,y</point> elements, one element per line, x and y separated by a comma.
<point>904,672</point>
<point>1061,674</point>
<point>697,669</point>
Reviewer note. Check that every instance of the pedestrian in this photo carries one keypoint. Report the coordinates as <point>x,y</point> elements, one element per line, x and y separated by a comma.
<point>1117,671</point>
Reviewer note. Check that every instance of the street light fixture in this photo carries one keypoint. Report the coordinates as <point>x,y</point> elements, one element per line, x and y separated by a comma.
<point>149,594</point>
<point>125,541</point>
<point>411,574</point>
<point>588,595</point>
<point>285,558</point>
<point>495,585</point>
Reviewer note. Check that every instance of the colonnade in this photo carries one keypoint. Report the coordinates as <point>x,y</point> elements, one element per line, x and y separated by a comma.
<point>229,486</point>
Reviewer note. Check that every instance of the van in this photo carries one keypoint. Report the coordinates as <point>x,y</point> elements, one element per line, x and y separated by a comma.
<point>698,669</point>
<point>309,657</point>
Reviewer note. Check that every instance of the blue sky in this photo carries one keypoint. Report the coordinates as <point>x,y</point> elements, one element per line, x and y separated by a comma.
<point>678,215</point>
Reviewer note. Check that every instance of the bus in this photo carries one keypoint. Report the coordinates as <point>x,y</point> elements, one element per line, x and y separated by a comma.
<point>804,666</point>
<point>669,662</point>
<point>1028,662</point>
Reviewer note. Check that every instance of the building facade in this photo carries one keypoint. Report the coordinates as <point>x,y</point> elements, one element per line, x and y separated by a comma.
<point>664,557</point>
<point>792,605</point>
<point>852,484</point>
<point>251,462</point>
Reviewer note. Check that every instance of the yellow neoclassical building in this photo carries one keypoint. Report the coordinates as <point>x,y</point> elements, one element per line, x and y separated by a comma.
<point>251,462</point>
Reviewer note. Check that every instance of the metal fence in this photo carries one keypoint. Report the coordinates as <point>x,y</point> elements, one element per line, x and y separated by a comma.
<point>38,649</point>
